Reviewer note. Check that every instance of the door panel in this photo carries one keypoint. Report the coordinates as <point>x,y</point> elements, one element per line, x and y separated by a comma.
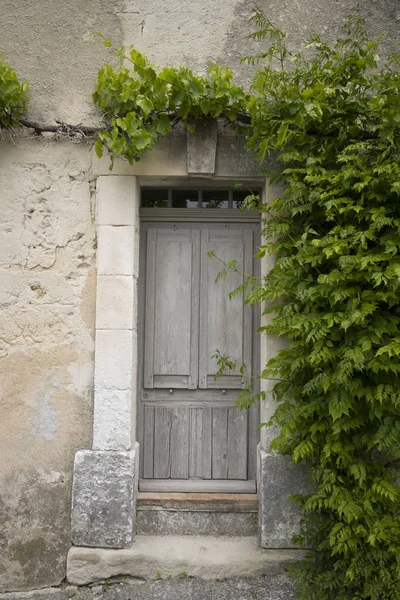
<point>225,323</point>
<point>229,443</point>
<point>190,429</point>
<point>172,304</point>
<point>171,442</point>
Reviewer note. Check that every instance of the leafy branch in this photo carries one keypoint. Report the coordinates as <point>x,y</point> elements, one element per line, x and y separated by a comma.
<point>13,96</point>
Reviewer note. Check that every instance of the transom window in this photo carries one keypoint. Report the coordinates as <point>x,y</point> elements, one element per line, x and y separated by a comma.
<point>193,198</point>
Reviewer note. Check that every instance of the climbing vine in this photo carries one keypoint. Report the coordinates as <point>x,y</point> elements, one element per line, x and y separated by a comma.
<point>142,103</point>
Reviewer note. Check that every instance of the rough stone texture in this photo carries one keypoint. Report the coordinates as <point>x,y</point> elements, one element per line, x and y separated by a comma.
<point>47,292</point>
<point>152,557</point>
<point>279,519</point>
<point>54,593</point>
<point>103,499</point>
<point>273,587</point>
<point>190,522</point>
<point>202,148</point>
<point>112,424</point>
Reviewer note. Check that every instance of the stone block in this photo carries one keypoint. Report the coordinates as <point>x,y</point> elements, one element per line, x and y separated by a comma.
<point>115,252</point>
<point>115,302</point>
<point>202,148</point>
<point>201,522</point>
<point>103,499</point>
<point>112,422</point>
<point>279,519</point>
<point>117,200</point>
<point>113,365</point>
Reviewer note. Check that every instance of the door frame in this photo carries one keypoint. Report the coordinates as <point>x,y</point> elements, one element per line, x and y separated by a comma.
<point>193,215</point>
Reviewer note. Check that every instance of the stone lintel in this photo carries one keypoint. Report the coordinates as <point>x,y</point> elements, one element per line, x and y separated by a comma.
<point>279,519</point>
<point>202,148</point>
<point>103,498</point>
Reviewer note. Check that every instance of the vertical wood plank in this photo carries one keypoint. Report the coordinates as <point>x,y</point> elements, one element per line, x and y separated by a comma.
<point>237,443</point>
<point>195,315</point>
<point>203,341</point>
<point>207,442</point>
<point>196,443</point>
<point>253,434</point>
<point>220,443</point>
<point>179,443</point>
<point>148,442</point>
<point>247,310</point>
<point>162,442</point>
<point>149,308</point>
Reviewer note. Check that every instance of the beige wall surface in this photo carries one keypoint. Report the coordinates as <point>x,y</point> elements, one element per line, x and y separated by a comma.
<point>47,233</point>
<point>47,286</point>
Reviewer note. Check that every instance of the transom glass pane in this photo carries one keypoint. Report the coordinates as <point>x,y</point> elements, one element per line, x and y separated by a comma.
<point>155,198</point>
<point>194,198</point>
<point>185,198</point>
<point>215,199</point>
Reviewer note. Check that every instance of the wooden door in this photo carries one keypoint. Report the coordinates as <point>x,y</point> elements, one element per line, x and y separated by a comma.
<point>193,437</point>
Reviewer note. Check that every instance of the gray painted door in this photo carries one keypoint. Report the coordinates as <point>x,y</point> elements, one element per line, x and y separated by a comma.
<point>193,437</point>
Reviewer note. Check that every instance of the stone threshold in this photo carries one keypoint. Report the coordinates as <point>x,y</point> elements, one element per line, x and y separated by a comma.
<point>164,557</point>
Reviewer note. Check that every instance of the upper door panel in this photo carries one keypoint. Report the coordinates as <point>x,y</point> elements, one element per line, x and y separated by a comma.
<point>172,308</point>
<point>225,323</point>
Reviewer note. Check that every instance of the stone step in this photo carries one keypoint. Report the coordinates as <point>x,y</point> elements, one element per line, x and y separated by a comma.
<point>196,514</point>
<point>166,557</point>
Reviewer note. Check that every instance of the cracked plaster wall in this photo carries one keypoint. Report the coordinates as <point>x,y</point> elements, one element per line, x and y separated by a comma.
<point>47,275</point>
<point>47,234</point>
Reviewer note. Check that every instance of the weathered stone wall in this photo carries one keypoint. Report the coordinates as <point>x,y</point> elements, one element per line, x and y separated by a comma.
<point>47,273</point>
<point>47,234</point>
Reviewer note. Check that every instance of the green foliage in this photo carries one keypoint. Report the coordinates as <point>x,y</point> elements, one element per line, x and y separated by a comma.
<point>141,103</point>
<point>13,96</point>
<point>329,117</point>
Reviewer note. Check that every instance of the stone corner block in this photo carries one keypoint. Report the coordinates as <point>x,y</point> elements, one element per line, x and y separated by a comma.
<point>115,251</point>
<point>117,200</point>
<point>279,519</point>
<point>103,498</point>
<point>114,359</point>
<point>116,301</point>
<point>202,148</point>
<point>112,422</point>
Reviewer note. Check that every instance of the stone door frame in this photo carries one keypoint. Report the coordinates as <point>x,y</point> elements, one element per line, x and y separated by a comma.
<point>106,476</point>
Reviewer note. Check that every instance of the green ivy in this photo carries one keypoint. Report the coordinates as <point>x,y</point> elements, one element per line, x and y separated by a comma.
<point>13,96</point>
<point>332,118</point>
<point>141,103</point>
<point>329,117</point>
